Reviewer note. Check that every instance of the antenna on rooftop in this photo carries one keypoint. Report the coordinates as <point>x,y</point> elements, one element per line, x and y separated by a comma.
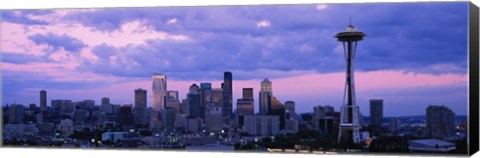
<point>350,21</point>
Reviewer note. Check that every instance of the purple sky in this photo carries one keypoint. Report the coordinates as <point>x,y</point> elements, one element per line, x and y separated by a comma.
<point>415,54</point>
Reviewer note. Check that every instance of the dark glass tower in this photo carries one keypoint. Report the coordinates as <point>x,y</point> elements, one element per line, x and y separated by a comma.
<point>227,95</point>
<point>140,107</point>
<point>43,100</point>
<point>376,113</point>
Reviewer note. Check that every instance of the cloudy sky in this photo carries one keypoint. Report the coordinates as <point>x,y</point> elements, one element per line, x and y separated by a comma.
<point>415,54</point>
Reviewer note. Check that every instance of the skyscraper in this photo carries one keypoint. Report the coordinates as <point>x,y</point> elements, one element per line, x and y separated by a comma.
<point>159,88</point>
<point>193,102</point>
<point>43,100</point>
<point>217,97</point>
<point>265,95</point>
<point>140,107</point>
<point>227,95</point>
<point>440,121</point>
<point>376,113</point>
<point>205,97</point>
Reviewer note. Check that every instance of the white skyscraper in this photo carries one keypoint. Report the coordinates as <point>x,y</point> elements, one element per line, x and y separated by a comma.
<point>159,88</point>
<point>265,96</point>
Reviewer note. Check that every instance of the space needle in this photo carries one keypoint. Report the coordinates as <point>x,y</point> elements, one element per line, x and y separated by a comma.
<point>349,123</point>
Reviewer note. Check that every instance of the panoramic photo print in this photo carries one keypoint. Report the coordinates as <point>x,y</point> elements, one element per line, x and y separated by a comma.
<point>305,78</point>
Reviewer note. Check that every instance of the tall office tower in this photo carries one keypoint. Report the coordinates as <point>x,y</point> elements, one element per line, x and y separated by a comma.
<point>227,95</point>
<point>217,97</point>
<point>15,114</point>
<point>205,97</point>
<point>193,101</point>
<point>395,124</point>
<point>440,121</point>
<point>349,126</point>
<point>105,101</point>
<point>376,112</point>
<point>43,100</point>
<point>290,107</point>
<point>141,107</point>
<point>172,95</point>
<point>168,117</point>
<point>159,88</point>
<point>265,96</point>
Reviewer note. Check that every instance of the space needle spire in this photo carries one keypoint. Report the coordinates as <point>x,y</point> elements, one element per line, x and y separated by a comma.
<point>349,123</point>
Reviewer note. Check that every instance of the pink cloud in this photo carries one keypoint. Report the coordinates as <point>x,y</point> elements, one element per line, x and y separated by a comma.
<point>14,39</point>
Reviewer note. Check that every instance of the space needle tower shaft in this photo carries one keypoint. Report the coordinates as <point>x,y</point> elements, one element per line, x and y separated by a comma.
<point>349,120</point>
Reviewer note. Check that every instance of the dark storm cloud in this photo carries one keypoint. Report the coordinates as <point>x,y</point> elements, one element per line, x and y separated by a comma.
<point>64,41</point>
<point>212,53</point>
<point>403,36</point>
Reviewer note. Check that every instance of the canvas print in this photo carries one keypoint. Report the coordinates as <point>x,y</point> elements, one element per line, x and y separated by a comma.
<point>306,78</point>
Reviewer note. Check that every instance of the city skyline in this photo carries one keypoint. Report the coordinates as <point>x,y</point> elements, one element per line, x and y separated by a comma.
<point>253,44</point>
